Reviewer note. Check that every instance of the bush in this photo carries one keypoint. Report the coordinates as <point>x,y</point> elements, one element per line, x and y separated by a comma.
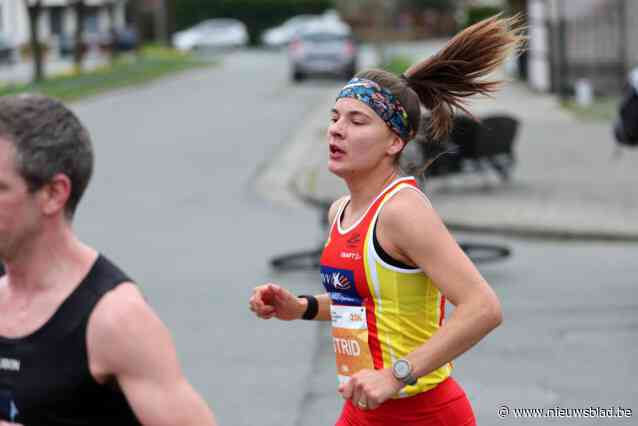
<point>25,49</point>
<point>397,64</point>
<point>440,5</point>
<point>478,13</point>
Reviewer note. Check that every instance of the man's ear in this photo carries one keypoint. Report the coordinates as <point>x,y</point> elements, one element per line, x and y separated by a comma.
<point>55,194</point>
<point>396,146</point>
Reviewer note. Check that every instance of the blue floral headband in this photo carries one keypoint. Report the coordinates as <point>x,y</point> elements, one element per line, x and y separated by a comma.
<point>384,103</point>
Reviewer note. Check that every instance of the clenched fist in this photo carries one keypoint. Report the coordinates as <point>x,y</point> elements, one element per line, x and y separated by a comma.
<point>270,300</point>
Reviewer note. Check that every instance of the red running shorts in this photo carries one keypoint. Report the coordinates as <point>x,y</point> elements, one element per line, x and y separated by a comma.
<point>444,405</point>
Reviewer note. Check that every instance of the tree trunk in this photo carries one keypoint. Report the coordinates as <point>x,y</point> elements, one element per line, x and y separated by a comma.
<point>112,48</point>
<point>135,16</point>
<point>161,34</point>
<point>170,20</point>
<point>79,48</point>
<point>35,9</point>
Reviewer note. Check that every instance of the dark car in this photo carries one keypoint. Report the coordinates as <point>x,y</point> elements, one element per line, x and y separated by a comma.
<point>122,40</point>
<point>626,127</point>
<point>126,40</point>
<point>323,48</point>
<point>7,51</point>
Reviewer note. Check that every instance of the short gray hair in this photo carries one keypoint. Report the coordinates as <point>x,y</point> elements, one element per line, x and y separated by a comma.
<point>49,139</point>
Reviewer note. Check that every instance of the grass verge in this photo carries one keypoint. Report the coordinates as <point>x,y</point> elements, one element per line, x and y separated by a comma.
<point>131,70</point>
<point>602,109</point>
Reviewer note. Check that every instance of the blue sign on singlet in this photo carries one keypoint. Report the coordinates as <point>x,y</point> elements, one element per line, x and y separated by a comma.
<point>339,283</point>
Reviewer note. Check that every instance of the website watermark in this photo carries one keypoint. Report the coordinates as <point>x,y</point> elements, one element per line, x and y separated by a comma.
<point>505,411</point>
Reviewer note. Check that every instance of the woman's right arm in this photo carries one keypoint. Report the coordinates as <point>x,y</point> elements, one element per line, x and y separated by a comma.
<point>271,300</point>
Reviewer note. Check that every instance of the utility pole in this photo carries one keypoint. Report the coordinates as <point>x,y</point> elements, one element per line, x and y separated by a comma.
<point>34,9</point>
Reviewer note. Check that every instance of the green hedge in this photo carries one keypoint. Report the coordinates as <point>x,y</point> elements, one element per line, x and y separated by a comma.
<point>397,64</point>
<point>478,13</point>
<point>258,15</point>
<point>442,5</point>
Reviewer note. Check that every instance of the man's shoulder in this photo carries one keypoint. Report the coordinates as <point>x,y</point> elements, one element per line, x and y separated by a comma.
<point>121,314</point>
<point>123,303</point>
<point>124,331</point>
<point>121,320</point>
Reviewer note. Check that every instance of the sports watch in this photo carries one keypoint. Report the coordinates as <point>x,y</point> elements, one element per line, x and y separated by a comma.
<point>402,371</point>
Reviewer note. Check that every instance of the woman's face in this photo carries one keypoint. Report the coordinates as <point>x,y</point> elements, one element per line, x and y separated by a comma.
<point>358,139</point>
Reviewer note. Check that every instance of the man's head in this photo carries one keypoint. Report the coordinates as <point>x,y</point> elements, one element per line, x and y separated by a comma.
<point>49,141</point>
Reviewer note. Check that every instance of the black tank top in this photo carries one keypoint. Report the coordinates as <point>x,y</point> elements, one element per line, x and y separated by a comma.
<point>45,378</point>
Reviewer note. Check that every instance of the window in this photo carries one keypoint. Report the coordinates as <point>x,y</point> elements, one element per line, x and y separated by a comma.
<point>56,15</point>
<point>91,24</point>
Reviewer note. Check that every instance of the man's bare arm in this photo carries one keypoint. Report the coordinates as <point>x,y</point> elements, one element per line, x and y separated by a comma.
<point>127,340</point>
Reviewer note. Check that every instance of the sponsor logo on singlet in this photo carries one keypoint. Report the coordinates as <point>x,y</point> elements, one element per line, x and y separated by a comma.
<point>350,255</point>
<point>339,283</point>
<point>9,364</point>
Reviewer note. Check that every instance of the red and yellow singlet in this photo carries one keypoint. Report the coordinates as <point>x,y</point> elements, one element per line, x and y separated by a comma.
<point>380,312</point>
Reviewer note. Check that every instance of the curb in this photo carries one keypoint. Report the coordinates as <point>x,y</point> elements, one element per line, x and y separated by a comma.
<point>300,173</point>
<point>542,233</point>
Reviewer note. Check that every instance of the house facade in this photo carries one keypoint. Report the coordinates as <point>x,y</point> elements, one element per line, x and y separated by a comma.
<point>57,19</point>
<point>596,40</point>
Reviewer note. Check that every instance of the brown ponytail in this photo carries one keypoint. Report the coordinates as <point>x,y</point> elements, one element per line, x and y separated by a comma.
<point>443,81</point>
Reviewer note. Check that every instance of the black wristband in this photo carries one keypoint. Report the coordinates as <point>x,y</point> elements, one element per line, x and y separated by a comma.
<point>313,307</point>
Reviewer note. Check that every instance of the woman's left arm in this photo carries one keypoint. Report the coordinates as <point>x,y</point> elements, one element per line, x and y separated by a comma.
<point>411,227</point>
<point>410,230</point>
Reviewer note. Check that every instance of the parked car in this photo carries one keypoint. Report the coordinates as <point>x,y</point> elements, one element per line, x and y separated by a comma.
<point>323,48</point>
<point>284,33</point>
<point>7,51</point>
<point>626,126</point>
<point>212,33</point>
<point>122,40</point>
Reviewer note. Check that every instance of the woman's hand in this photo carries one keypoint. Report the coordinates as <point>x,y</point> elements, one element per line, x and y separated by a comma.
<point>370,388</point>
<point>3,423</point>
<point>270,300</point>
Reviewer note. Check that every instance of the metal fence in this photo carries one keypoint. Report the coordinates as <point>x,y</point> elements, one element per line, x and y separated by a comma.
<point>590,40</point>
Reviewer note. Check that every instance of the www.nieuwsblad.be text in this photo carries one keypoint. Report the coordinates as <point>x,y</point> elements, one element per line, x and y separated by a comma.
<point>505,411</point>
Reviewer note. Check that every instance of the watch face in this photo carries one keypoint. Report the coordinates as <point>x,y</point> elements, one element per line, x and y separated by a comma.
<point>401,368</point>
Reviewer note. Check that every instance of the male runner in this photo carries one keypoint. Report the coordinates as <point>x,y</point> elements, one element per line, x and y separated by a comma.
<point>78,343</point>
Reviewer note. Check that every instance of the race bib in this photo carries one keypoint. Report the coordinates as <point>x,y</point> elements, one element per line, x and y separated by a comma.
<point>350,340</point>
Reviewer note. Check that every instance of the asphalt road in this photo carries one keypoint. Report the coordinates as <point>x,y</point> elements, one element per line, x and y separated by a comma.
<point>569,339</point>
<point>172,202</point>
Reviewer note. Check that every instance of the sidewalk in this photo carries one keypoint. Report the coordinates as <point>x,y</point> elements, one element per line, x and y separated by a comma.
<point>22,72</point>
<point>569,180</point>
